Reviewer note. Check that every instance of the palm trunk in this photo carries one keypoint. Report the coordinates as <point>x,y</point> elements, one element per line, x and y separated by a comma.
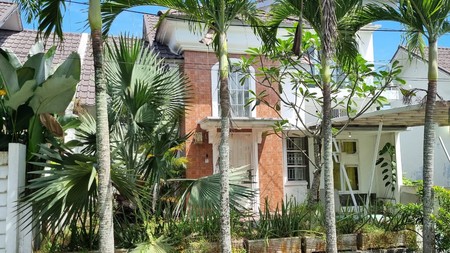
<point>106,230</point>
<point>328,22</point>
<point>224,147</point>
<point>428,150</point>
<point>330,219</point>
<point>313,196</point>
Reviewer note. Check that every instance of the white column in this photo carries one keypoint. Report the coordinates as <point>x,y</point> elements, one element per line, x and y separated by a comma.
<point>16,184</point>
<point>398,159</point>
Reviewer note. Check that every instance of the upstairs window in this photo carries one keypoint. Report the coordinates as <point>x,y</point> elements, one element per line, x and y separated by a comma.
<point>239,91</point>
<point>239,94</point>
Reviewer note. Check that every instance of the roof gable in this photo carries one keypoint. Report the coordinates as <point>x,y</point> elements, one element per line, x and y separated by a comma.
<point>443,59</point>
<point>10,17</point>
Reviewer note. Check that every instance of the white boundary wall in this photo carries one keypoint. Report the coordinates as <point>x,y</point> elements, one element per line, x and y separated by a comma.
<point>13,236</point>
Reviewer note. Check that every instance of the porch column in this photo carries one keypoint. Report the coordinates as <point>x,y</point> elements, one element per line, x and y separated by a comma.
<point>375,155</point>
<point>398,159</point>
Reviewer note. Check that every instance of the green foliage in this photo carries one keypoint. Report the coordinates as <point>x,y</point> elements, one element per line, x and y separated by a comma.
<point>388,165</point>
<point>409,182</point>
<point>297,81</point>
<point>442,219</point>
<point>31,90</point>
<point>288,219</point>
<point>65,194</point>
<point>391,218</point>
<point>350,221</point>
<point>201,196</point>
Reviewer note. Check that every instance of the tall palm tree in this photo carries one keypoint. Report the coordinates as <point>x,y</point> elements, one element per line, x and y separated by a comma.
<point>50,15</point>
<point>213,16</point>
<point>429,19</point>
<point>332,21</point>
<point>328,37</point>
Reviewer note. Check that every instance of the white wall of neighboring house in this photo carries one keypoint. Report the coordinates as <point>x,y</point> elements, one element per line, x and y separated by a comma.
<point>415,74</point>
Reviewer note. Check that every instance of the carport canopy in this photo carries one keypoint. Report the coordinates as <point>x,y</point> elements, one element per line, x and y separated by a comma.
<point>399,117</point>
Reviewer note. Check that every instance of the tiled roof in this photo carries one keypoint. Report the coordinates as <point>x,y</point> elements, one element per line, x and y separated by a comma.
<point>150,22</point>
<point>443,59</point>
<point>86,87</point>
<point>21,42</point>
<point>5,10</point>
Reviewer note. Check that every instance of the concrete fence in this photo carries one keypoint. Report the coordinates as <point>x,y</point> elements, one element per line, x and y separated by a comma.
<point>14,236</point>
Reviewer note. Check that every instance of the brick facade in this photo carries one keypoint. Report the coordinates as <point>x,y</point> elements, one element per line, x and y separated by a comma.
<point>197,67</point>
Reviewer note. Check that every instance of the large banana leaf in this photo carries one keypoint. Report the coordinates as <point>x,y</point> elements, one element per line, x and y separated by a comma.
<point>55,94</point>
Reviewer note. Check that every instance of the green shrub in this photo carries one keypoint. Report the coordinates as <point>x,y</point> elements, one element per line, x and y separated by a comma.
<point>442,219</point>
<point>288,220</point>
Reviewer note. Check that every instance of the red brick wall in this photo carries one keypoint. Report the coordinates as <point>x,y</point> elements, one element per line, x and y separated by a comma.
<point>197,67</point>
<point>270,165</point>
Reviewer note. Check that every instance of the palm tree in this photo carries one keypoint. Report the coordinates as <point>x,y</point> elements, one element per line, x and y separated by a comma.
<point>421,18</point>
<point>147,101</point>
<point>328,37</point>
<point>215,16</point>
<point>332,22</point>
<point>50,16</point>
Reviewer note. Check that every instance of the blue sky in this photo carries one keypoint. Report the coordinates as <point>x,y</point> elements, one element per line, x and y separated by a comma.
<point>386,40</point>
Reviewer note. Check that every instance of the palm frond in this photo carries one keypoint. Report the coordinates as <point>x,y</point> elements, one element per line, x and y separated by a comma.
<point>67,189</point>
<point>112,9</point>
<point>202,195</point>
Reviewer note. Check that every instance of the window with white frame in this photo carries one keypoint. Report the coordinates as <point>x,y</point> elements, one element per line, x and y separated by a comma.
<point>239,93</point>
<point>296,160</point>
<point>239,87</point>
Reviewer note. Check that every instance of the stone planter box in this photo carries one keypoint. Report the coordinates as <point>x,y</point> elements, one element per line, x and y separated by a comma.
<point>313,244</point>
<point>362,241</point>
<point>347,242</point>
<point>401,239</point>
<point>3,158</point>
<point>278,245</point>
<point>212,247</point>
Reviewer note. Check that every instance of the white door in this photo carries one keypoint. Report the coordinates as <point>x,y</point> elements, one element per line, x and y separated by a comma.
<point>241,150</point>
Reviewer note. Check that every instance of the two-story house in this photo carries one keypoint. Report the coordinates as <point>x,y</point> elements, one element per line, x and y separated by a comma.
<point>277,167</point>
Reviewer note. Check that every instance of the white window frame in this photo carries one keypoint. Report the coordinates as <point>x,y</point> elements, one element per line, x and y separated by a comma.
<point>215,88</point>
<point>287,166</point>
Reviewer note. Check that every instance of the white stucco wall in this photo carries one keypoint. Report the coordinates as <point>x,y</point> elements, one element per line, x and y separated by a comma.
<point>14,236</point>
<point>415,73</point>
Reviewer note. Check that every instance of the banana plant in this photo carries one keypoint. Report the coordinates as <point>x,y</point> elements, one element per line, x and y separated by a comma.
<point>31,92</point>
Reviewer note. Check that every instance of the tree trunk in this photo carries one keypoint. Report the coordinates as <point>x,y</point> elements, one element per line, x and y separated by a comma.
<point>106,230</point>
<point>313,196</point>
<point>224,147</point>
<point>428,150</point>
<point>328,22</point>
<point>330,219</point>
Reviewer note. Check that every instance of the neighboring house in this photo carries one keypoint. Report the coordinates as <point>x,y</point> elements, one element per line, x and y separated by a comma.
<point>415,69</point>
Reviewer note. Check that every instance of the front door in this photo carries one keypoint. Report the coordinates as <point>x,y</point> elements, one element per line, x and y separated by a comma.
<point>241,156</point>
<point>241,153</point>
